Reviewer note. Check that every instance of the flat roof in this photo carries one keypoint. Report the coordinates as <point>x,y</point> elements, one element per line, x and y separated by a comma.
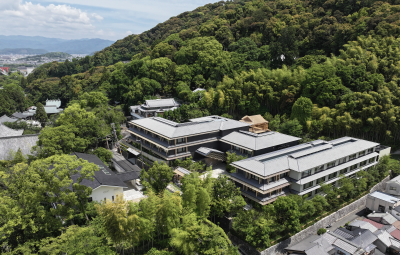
<point>385,197</point>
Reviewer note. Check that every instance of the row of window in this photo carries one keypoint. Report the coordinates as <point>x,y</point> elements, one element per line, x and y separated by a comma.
<point>336,174</point>
<point>269,180</point>
<point>333,163</point>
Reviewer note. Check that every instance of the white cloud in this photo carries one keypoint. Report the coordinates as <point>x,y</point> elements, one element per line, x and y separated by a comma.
<point>128,32</point>
<point>47,20</point>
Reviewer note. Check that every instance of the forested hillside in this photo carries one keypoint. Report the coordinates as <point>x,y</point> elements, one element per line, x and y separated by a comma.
<point>256,57</point>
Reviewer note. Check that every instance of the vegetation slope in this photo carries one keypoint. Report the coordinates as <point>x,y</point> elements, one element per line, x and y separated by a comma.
<point>256,57</point>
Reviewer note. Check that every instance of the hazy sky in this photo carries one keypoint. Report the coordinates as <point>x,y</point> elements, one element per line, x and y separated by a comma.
<point>75,19</point>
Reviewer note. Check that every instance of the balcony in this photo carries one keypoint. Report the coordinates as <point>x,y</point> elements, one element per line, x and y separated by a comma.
<point>261,187</point>
<point>263,199</point>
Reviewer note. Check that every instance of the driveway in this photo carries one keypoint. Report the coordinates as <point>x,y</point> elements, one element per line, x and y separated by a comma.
<point>356,215</point>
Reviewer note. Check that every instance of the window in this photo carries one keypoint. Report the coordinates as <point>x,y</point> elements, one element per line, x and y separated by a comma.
<point>307,185</point>
<point>331,176</point>
<point>341,253</point>
<point>342,160</point>
<point>180,140</point>
<point>381,208</point>
<point>112,198</point>
<point>370,150</point>
<point>351,157</point>
<point>105,199</point>
<point>180,150</point>
<point>392,188</point>
<point>284,175</point>
<point>306,173</point>
<point>320,180</point>
<point>371,160</point>
<point>363,163</point>
<point>254,177</point>
<point>319,169</point>
<point>361,153</point>
<point>353,167</point>
<point>343,171</point>
<point>331,164</point>
<point>272,179</point>
<point>90,199</point>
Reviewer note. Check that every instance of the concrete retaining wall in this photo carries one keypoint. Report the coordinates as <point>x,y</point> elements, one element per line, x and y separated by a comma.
<point>278,249</point>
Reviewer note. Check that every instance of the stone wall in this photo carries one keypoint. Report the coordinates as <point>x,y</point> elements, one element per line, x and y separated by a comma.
<point>278,249</point>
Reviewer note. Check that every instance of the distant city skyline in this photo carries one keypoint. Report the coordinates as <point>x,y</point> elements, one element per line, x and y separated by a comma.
<point>76,19</point>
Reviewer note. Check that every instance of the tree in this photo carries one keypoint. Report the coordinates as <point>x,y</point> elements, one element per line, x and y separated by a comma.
<point>157,177</point>
<point>77,240</point>
<point>39,195</point>
<point>288,214</point>
<point>230,158</point>
<point>291,127</point>
<point>103,154</point>
<point>302,110</point>
<point>226,197</point>
<point>41,114</point>
<point>59,140</point>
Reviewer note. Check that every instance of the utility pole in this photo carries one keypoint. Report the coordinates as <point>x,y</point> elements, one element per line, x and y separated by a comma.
<point>141,150</point>
<point>115,136</point>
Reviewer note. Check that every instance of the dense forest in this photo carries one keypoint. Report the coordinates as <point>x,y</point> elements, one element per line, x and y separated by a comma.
<point>255,57</point>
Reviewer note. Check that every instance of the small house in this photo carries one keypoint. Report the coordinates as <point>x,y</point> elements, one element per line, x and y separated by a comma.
<point>381,202</point>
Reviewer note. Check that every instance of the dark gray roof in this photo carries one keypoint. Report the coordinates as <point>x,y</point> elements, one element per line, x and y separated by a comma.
<point>6,131</point>
<point>357,236</point>
<point>123,163</point>
<point>22,115</point>
<point>129,176</point>
<point>254,141</point>
<point>13,143</point>
<point>305,156</point>
<point>102,177</point>
<point>312,245</point>
<point>172,129</point>
<point>4,118</point>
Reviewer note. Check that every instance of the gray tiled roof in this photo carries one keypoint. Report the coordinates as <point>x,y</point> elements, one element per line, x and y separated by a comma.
<point>25,143</point>
<point>307,156</point>
<point>346,246</point>
<point>4,118</point>
<point>101,177</point>
<point>205,151</point>
<point>174,130</point>
<point>6,131</point>
<point>254,141</point>
<point>363,225</point>
<point>22,115</point>
<point>384,237</point>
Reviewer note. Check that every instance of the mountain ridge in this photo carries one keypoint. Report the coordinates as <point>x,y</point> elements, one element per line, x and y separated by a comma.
<point>77,46</point>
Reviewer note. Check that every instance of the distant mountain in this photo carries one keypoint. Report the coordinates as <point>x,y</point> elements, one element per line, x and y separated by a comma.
<point>22,51</point>
<point>82,46</point>
<point>52,55</point>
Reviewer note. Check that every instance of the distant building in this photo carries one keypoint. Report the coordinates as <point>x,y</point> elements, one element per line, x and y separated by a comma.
<point>25,70</point>
<point>51,107</point>
<point>153,108</point>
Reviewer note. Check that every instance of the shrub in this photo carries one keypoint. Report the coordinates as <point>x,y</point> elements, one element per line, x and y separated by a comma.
<point>321,231</point>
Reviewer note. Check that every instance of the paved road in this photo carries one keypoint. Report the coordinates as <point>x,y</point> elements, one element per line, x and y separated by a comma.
<point>350,217</point>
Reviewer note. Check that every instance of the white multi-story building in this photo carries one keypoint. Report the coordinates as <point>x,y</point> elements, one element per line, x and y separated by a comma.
<point>153,108</point>
<point>301,169</point>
